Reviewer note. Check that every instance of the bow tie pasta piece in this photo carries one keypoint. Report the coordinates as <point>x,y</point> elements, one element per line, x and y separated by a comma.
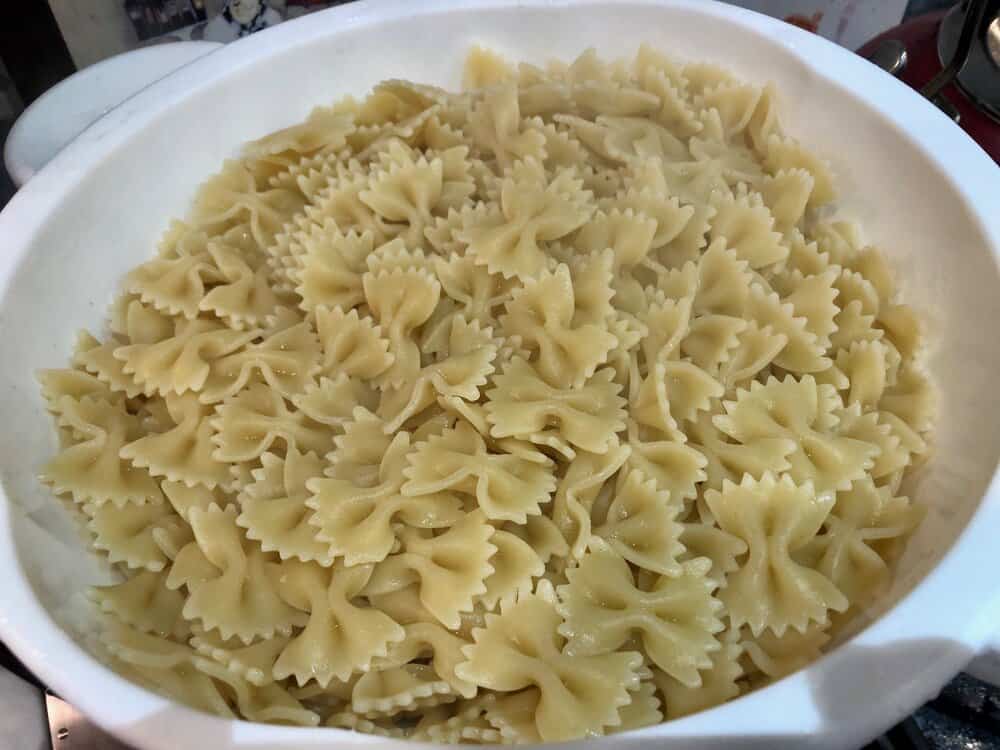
<point>592,276</point>
<point>643,710</point>
<point>164,666</point>
<point>428,640</point>
<point>912,399</point>
<point>802,411</point>
<point>719,683</point>
<point>562,151</point>
<point>728,460</point>
<point>175,281</point>
<point>273,508</point>
<point>355,509</point>
<point>496,126</point>
<point>579,696</point>
<point>870,367</point>
<point>330,266</point>
<point>286,360</point>
<point>458,722</point>
<point>442,131</point>
<point>395,254</point>
<point>783,153</point>
<point>269,702</point>
<point>230,582</point>
<point>182,452</point>
<point>723,282</point>
<point>624,358</point>
<point>711,340</point>
<point>626,231</point>
<point>676,619</point>
<point>401,301</point>
<point>775,517</point>
<point>450,569</point>
<point>340,205</point>
<point>898,444</point>
<point>139,536</point>
<point>144,602</point>
<point>676,467</point>
<point>672,393</point>
<point>483,68</point>
<point>284,255</point>
<point>578,488</point>
<point>394,101</point>
<point>99,360</point>
<point>463,368</point>
<point>76,384</point>
<point>476,292</point>
<point>605,98</point>
<point>805,255</point>
<point>183,361</point>
<point>506,487</point>
<point>542,535</point>
<point>863,521</point>
<point>332,401</point>
<point>690,390</point>
<point>90,468</point>
<point>631,139</point>
<point>786,194</point>
<point>352,345</point>
<point>735,102</point>
<point>812,298</point>
<point>515,567</point>
<point>708,541</point>
<point>356,521</point>
<point>513,715</point>
<point>535,209</point>
<point>521,404</point>
<point>249,423</point>
<point>675,112</point>
<point>725,165</point>
<point>382,728</point>
<point>674,221</point>
<point>310,175</point>
<point>232,198</point>
<point>324,131</point>
<point>667,322</point>
<point>410,687</point>
<point>183,498</point>
<point>339,637</point>
<point>747,227</point>
<point>755,349</point>
<point>408,191</point>
<point>443,235</point>
<point>779,656</point>
<point>642,526</point>
<point>253,663</point>
<point>243,298</point>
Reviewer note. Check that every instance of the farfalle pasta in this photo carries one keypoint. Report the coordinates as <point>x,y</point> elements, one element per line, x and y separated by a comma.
<point>559,406</point>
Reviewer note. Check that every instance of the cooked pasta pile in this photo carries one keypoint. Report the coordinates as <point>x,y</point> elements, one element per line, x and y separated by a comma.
<point>549,409</point>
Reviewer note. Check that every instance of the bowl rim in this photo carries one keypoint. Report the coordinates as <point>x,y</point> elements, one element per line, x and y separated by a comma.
<point>961,616</point>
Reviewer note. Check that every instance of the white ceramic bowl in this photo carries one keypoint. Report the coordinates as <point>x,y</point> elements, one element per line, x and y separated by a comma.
<point>922,189</point>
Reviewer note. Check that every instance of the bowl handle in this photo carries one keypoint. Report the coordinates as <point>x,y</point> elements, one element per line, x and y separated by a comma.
<point>59,115</point>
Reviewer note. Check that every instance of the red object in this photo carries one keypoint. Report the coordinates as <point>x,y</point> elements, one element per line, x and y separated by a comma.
<point>920,37</point>
<point>809,23</point>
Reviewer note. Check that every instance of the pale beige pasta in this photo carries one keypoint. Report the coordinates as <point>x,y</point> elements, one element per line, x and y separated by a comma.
<point>554,408</point>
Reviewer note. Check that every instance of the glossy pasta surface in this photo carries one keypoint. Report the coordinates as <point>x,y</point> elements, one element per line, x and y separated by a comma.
<point>549,409</point>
